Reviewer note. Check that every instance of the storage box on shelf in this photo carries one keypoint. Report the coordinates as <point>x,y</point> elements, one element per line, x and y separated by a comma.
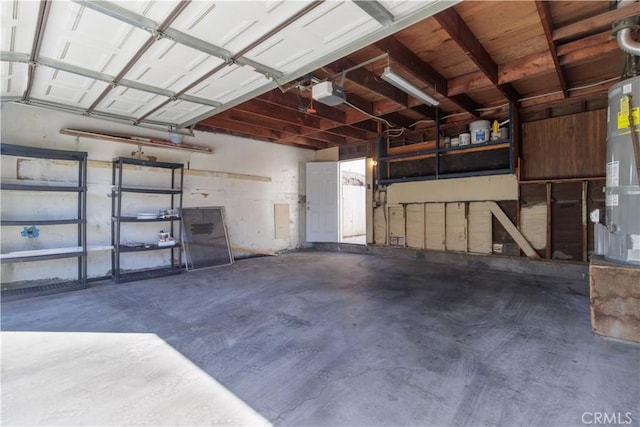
<point>11,219</point>
<point>166,240</point>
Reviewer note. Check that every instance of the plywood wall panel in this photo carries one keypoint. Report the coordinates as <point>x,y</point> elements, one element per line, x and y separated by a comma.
<point>456,227</point>
<point>415,226</point>
<point>566,221</point>
<point>565,147</point>
<point>479,234</point>
<point>434,226</point>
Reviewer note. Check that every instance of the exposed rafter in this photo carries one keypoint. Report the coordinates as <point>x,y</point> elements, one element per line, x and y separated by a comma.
<point>544,11</point>
<point>451,22</point>
<point>400,54</point>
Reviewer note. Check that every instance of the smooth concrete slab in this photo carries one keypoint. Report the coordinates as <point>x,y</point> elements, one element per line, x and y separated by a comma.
<point>317,338</point>
<point>118,379</point>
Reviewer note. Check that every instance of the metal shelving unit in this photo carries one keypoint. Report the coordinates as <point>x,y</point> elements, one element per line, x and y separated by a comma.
<point>440,153</point>
<point>118,191</point>
<point>38,287</point>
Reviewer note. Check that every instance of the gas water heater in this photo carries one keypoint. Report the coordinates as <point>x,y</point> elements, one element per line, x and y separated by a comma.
<point>619,240</point>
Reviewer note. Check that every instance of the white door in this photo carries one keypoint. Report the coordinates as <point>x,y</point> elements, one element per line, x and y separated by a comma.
<point>323,196</point>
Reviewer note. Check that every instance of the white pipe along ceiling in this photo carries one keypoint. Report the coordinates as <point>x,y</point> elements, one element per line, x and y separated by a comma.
<point>169,64</point>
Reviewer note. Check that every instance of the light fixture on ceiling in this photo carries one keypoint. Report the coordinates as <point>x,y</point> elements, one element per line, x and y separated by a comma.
<point>394,79</point>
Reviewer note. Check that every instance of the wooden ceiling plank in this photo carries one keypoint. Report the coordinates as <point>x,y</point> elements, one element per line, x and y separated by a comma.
<point>453,24</point>
<point>412,63</point>
<point>544,12</point>
<point>589,53</point>
<point>294,102</point>
<point>538,63</point>
<point>368,80</point>
<point>468,82</point>
<point>584,43</point>
<point>595,23</point>
<point>258,120</point>
<point>307,123</point>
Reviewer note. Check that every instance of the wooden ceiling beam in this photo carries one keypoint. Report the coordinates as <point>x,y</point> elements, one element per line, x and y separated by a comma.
<point>247,127</point>
<point>538,63</point>
<point>595,23</point>
<point>544,12</point>
<point>412,63</point>
<point>295,101</point>
<point>306,123</point>
<point>453,24</point>
<point>368,80</point>
<point>421,70</point>
<point>398,120</point>
<point>221,125</point>
<point>259,121</point>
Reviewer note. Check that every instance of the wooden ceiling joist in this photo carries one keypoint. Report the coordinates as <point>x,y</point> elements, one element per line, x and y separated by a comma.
<point>595,23</point>
<point>400,54</point>
<point>369,81</point>
<point>544,11</point>
<point>453,24</point>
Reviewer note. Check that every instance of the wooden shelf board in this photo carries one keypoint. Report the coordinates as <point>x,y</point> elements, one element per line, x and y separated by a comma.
<point>153,142</point>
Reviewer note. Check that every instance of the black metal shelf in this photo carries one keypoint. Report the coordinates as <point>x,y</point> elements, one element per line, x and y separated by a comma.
<point>25,222</point>
<point>119,189</point>
<point>152,273</point>
<point>34,187</point>
<point>12,294</point>
<point>36,287</point>
<point>135,219</point>
<point>486,158</point>
<point>150,190</point>
<point>25,256</point>
<point>146,163</point>
<point>145,247</point>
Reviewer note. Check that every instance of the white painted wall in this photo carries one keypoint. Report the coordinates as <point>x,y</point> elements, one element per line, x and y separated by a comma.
<point>248,203</point>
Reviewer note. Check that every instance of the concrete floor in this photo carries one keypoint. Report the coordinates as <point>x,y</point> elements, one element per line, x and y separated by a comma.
<point>316,338</point>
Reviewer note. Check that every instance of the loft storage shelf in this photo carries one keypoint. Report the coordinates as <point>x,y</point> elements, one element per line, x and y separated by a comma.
<point>31,190</point>
<point>119,231</point>
<point>431,161</point>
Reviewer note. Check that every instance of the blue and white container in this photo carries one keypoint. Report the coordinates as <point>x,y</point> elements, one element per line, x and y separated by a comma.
<point>480,131</point>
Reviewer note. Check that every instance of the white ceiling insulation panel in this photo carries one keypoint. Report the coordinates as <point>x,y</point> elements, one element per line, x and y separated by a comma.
<point>88,39</point>
<point>229,83</point>
<point>178,112</point>
<point>14,78</point>
<point>65,88</point>
<point>134,103</point>
<point>234,25</point>
<point>329,26</point>
<point>19,20</point>
<point>172,66</point>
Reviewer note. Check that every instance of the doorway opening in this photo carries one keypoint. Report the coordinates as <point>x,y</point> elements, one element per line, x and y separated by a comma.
<point>353,193</point>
